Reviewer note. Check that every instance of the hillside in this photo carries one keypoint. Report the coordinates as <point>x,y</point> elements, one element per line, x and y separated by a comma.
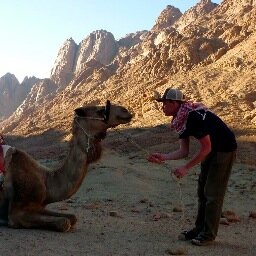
<point>208,52</point>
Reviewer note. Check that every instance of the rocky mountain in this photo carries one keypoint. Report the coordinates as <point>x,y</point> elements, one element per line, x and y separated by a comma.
<point>208,52</point>
<point>198,11</point>
<point>167,18</point>
<point>62,71</point>
<point>12,93</point>
<point>100,46</point>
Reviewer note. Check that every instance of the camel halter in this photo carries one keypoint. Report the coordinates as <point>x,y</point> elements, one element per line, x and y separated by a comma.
<point>105,119</point>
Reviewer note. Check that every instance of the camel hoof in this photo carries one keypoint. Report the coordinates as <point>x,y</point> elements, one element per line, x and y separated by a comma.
<point>64,225</point>
<point>72,220</point>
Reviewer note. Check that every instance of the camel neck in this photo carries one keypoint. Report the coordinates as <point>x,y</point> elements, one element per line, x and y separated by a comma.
<point>65,181</point>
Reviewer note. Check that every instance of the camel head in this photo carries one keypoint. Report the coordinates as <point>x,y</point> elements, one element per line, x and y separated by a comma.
<point>95,120</point>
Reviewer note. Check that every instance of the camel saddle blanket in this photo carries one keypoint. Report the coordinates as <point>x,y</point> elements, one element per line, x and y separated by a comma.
<point>3,151</point>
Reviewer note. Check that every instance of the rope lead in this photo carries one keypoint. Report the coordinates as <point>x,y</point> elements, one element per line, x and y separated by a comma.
<point>177,180</point>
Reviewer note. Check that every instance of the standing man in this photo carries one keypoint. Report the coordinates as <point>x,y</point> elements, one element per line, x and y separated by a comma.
<point>216,154</point>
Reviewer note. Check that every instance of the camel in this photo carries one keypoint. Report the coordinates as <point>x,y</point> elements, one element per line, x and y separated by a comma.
<point>29,186</point>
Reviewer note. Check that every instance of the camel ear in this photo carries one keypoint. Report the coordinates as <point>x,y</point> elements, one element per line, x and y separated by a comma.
<point>80,112</point>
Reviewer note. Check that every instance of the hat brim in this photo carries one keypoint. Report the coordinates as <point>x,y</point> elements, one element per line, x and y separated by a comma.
<point>160,100</point>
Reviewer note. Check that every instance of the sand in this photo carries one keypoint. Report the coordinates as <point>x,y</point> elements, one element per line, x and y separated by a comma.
<point>128,206</point>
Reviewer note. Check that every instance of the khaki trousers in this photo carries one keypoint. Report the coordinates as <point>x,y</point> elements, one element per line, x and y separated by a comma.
<point>212,185</point>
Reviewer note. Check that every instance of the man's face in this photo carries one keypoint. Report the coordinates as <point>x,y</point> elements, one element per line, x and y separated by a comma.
<point>170,108</point>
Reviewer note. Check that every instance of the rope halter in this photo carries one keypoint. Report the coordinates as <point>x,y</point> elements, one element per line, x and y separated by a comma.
<point>105,119</point>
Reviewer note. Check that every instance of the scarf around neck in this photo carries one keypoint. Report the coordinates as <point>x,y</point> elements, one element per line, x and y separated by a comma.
<point>178,123</point>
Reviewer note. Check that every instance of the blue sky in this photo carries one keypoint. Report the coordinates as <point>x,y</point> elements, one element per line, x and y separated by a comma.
<point>32,31</point>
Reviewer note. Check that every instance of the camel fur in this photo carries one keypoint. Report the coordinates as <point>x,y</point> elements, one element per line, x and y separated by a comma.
<point>29,187</point>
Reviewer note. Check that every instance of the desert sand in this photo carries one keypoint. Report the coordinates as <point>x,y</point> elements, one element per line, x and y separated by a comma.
<point>128,206</point>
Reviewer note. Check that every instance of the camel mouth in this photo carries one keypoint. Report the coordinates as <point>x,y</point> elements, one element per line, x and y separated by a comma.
<point>125,120</point>
<point>121,120</point>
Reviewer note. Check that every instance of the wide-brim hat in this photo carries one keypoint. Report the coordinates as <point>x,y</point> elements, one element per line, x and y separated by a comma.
<point>171,94</point>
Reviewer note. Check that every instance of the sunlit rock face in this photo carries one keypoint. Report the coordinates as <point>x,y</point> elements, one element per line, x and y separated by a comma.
<point>12,93</point>
<point>63,68</point>
<point>208,52</point>
<point>167,18</point>
<point>100,46</point>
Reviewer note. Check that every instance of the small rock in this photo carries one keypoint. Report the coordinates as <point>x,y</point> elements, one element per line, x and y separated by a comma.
<point>156,216</point>
<point>252,215</point>
<point>233,218</point>
<point>144,201</point>
<point>224,221</point>
<point>159,216</point>
<point>228,213</point>
<point>135,210</point>
<point>177,209</point>
<point>177,251</point>
<point>114,214</point>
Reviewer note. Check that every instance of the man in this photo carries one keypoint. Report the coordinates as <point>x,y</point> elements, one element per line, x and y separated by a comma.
<point>216,154</point>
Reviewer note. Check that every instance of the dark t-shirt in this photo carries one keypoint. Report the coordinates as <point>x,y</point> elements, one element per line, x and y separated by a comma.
<point>201,123</point>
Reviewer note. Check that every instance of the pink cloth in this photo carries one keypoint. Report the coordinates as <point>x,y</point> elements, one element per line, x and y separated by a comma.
<point>179,121</point>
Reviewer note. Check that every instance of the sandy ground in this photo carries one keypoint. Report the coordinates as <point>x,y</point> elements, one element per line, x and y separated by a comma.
<point>126,206</point>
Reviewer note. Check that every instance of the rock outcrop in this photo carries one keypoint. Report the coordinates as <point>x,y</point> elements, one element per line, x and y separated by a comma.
<point>71,60</point>
<point>191,16</point>
<point>63,69</point>
<point>167,18</point>
<point>208,52</point>
<point>12,93</point>
<point>100,46</point>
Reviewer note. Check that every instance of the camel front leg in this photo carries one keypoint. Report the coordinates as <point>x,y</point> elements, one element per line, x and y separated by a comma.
<point>19,218</point>
<point>3,211</point>
<point>72,218</point>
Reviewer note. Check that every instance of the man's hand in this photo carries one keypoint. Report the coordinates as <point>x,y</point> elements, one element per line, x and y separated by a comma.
<point>180,172</point>
<point>156,158</point>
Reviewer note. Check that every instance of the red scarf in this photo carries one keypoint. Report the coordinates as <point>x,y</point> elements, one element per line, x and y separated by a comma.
<point>179,121</point>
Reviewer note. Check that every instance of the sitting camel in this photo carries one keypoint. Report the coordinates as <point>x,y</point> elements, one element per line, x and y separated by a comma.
<point>29,187</point>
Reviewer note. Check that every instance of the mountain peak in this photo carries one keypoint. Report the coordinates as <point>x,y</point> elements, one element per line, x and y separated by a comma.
<point>167,17</point>
<point>194,13</point>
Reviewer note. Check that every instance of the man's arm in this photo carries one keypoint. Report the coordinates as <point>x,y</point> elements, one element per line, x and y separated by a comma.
<point>205,149</point>
<point>182,152</point>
